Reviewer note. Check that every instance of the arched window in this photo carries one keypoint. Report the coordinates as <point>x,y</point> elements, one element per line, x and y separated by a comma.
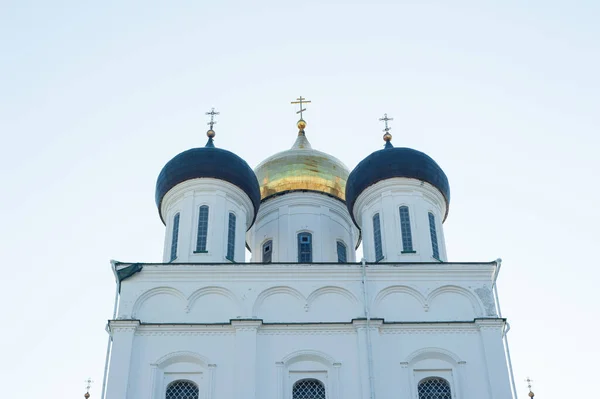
<point>433,234</point>
<point>407,244</point>
<point>308,389</point>
<point>267,252</point>
<point>231,237</point>
<point>202,229</point>
<point>342,252</point>
<point>174,238</point>
<point>182,390</point>
<point>304,248</point>
<point>434,388</point>
<point>377,238</point>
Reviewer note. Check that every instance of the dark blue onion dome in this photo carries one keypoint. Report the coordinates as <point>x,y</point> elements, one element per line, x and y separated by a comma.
<point>393,162</point>
<point>208,162</point>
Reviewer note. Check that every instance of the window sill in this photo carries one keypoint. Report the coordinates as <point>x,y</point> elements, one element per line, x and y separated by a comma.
<point>408,252</point>
<point>200,252</point>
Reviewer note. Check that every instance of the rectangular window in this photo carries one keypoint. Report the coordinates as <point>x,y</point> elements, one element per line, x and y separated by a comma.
<point>231,238</point>
<point>202,229</point>
<point>377,238</point>
<point>304,248</point>
<point>267,252</point>
<point>433,234</point>
<point>341,252</point>
<point>174,238</point>
<point>407,245</point>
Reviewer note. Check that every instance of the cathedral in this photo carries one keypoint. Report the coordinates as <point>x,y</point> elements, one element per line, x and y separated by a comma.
<point>304,318</point>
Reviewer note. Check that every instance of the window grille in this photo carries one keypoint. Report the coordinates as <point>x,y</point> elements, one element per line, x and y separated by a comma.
<point>377,238</point>
<point>304,248</point>
<point>231,238</point>
<point>182,390</point>
<point>433,233</point>
<point>174,238</point>
<point>434,388</point>
<point>342,252</point>
<point>202,229</point>
<point>407,244</point>
<point>308,389</point>
<point>267,251</point>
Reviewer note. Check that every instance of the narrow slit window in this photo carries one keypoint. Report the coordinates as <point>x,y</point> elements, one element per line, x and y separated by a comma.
<point>407,244</point>
<point>304,248</point>
<point>174,238</point>
<point>267,252</point>
<point>434,388</point>
<point>342,253</point>
<point>182,390</point>
<point>377,238</point>
<point>231,238</point>
<point>202,229</point>
<point>308,389</point>
<point>433,234</point>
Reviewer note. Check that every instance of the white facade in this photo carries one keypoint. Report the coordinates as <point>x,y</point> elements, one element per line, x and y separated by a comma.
<point>222,199</point>
<point>280,219</point>
<point>385,199</point>
<point>253,330</point>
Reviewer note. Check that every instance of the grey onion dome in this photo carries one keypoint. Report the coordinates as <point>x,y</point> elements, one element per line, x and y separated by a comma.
<point>393,162</point>
<point>208,162</point>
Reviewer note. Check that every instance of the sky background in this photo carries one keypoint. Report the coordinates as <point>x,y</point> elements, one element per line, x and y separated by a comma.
<point>95,97</point>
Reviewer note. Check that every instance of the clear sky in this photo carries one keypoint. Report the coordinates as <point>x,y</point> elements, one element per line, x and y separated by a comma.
<point>95,98</point>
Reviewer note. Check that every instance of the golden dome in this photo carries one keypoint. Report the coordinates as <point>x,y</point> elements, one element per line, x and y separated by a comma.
<point>302,169</point>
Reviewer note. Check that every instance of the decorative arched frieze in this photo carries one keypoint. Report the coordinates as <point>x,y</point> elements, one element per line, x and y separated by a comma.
<point>475,302</point>
<point>399,289</point>
<point>332,290</point>
<point>157,291</point>
<point>213,291</point>
<point>274,291</point>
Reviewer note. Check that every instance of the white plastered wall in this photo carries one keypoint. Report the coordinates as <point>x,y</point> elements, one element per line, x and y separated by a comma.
<point>386,197</point>
<point>253,331</point>
<point>281,218</point>
<point>222,198</point>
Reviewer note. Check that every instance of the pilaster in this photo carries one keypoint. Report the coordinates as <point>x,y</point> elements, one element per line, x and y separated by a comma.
<point>245,355</point>
<point>490,331</point>
<point>122,333</point>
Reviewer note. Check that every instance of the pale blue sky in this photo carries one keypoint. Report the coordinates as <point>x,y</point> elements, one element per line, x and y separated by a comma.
<point>95,98</point>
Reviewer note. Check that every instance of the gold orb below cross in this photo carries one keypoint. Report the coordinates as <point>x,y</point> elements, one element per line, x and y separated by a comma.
<point>301,124</point>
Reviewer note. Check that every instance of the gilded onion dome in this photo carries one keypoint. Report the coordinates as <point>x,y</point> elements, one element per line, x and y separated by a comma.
<point>302,169</point>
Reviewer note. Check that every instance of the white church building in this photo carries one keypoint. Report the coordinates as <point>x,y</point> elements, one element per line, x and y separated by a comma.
<point>304,318</point>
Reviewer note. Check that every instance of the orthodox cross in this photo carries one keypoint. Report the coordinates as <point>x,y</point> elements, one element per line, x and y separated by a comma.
<point>212,114</point>
<point>88,385</point>
<point>529,381</point>
<point>301,100</point>
<point>386,119</point>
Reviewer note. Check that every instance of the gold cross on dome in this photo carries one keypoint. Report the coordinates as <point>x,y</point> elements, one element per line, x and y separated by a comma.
<point>386,119</point>
<point>301,100</point>
<point>212,114</point>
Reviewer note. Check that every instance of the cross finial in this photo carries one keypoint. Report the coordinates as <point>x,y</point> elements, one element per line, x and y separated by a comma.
<point>212,114</point>
<point>529,381</point>
<point>387,137</point>
<point>301,100</point>
<point>385,119</point>
<point>88,385</point>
